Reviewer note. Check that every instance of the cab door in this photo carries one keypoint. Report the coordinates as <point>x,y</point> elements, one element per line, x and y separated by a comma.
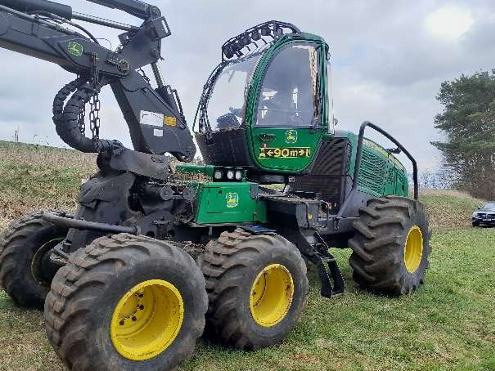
<point>287,123</point>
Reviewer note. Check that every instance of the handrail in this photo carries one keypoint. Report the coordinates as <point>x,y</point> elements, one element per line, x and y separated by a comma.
<point>357,166</point>
<point>393,140</point>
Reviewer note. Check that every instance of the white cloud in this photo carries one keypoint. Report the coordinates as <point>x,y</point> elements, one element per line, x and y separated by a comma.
<point>449,22</point>
<point>387,62</point>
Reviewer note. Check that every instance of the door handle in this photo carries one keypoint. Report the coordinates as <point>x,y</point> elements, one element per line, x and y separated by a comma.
<point>264,137</point>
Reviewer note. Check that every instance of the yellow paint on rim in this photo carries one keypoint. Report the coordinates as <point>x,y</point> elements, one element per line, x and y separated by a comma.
<point>271,295</point>
<point>413,250</point>
<point>147,320</point>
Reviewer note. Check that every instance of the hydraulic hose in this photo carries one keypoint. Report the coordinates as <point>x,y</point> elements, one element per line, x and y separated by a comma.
<point>66,116</point>
<point>27,6</point>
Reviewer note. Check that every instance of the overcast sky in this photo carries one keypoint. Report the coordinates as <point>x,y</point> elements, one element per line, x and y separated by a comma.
<point>388,60</point>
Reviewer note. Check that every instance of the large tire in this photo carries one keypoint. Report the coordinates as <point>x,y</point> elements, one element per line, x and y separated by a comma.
<point>391,246</point>
<point>25,271</point>
<point>238,264</point>
<point>151,288</point>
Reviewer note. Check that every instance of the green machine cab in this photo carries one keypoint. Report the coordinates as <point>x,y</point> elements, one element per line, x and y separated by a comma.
<point>266,114</point>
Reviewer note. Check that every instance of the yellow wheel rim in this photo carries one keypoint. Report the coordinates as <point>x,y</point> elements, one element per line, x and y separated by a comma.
<point>147,320</point>
<point>413,250</point>
<point>271,295</point>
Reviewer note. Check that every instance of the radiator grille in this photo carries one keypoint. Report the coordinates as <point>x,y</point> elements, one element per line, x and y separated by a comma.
<point>373,172</point>
<point>327,175</point>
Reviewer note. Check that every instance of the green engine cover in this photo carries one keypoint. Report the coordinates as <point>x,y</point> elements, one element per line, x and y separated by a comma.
<point>229,202</point>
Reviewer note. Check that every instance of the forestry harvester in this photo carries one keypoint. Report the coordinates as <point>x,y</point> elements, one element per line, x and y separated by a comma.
<point>129,281</point>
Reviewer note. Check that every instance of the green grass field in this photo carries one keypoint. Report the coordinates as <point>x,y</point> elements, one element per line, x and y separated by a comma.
<point>449,324</point>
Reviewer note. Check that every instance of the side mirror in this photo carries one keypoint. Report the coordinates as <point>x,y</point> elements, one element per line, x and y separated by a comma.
<point>395,151</point>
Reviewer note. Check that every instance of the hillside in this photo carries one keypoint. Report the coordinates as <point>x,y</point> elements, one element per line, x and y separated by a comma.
<point>447,325</point>
<point>36,177</point>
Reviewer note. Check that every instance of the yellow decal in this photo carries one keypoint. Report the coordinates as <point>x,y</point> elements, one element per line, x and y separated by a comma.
<point>291,136</point>
<point>75,48</point>
<point>292,152</point>
<point>170,121</point>
<point>232,200</point>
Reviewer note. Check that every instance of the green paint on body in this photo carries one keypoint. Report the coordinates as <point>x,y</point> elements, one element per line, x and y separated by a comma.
<point>228,202</point>
<point>381,172</point>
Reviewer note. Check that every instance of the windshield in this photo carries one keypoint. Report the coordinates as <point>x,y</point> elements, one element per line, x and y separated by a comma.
<point>488,206</point>
<point>226,105</point>
<point>289,93</point>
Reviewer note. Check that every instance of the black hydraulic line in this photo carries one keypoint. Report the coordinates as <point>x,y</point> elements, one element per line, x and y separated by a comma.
<point>67,121</point>
<point>61,20</point>
<point>83,224</point>
<point>90,35</point>
<point>27,6</point>
<point>62,95</point>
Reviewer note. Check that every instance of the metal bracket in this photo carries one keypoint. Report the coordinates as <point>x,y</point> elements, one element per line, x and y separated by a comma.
<point>257,229</point>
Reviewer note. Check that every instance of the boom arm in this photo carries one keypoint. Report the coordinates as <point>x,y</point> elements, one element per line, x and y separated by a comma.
<point>156,123</point>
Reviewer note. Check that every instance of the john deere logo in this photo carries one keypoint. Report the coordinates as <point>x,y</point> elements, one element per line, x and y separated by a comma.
<point>232,200</point>
<point>75,49</point>
<point>291,136</point>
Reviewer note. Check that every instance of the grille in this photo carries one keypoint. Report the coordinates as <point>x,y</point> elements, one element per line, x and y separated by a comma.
<point>330,158</point>
<point>328,171</point>
<point>372,172</point>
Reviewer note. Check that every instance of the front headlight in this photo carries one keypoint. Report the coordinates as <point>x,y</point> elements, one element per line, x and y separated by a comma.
<point>217,175</point>
<point>475,214</point>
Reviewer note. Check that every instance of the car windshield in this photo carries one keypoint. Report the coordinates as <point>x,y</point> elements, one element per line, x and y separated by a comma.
<point>488,206</point>
<point>226,105</point>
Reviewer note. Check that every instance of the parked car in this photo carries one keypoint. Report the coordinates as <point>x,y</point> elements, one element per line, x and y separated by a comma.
<point>484,215</point>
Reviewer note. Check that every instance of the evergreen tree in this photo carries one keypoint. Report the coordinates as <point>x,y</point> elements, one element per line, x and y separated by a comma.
<point>468,120</point>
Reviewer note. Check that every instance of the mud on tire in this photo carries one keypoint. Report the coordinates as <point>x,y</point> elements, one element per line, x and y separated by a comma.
<point>379,246</point>
<point>231,265</point>
<point>20,244</point>
<point>81,306</point>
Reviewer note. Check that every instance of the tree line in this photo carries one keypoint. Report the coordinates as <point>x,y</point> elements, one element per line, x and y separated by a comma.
<point>468,122</point>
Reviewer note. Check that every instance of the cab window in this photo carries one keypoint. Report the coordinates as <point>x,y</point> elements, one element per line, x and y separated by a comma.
<point>226,105</point>
<point>288,96</point>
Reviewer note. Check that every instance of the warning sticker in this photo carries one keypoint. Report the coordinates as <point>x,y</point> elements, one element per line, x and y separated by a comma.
<point>292,152</point>
<point>170,121</point>
<point>158,133</point>
<point>151,118</point>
